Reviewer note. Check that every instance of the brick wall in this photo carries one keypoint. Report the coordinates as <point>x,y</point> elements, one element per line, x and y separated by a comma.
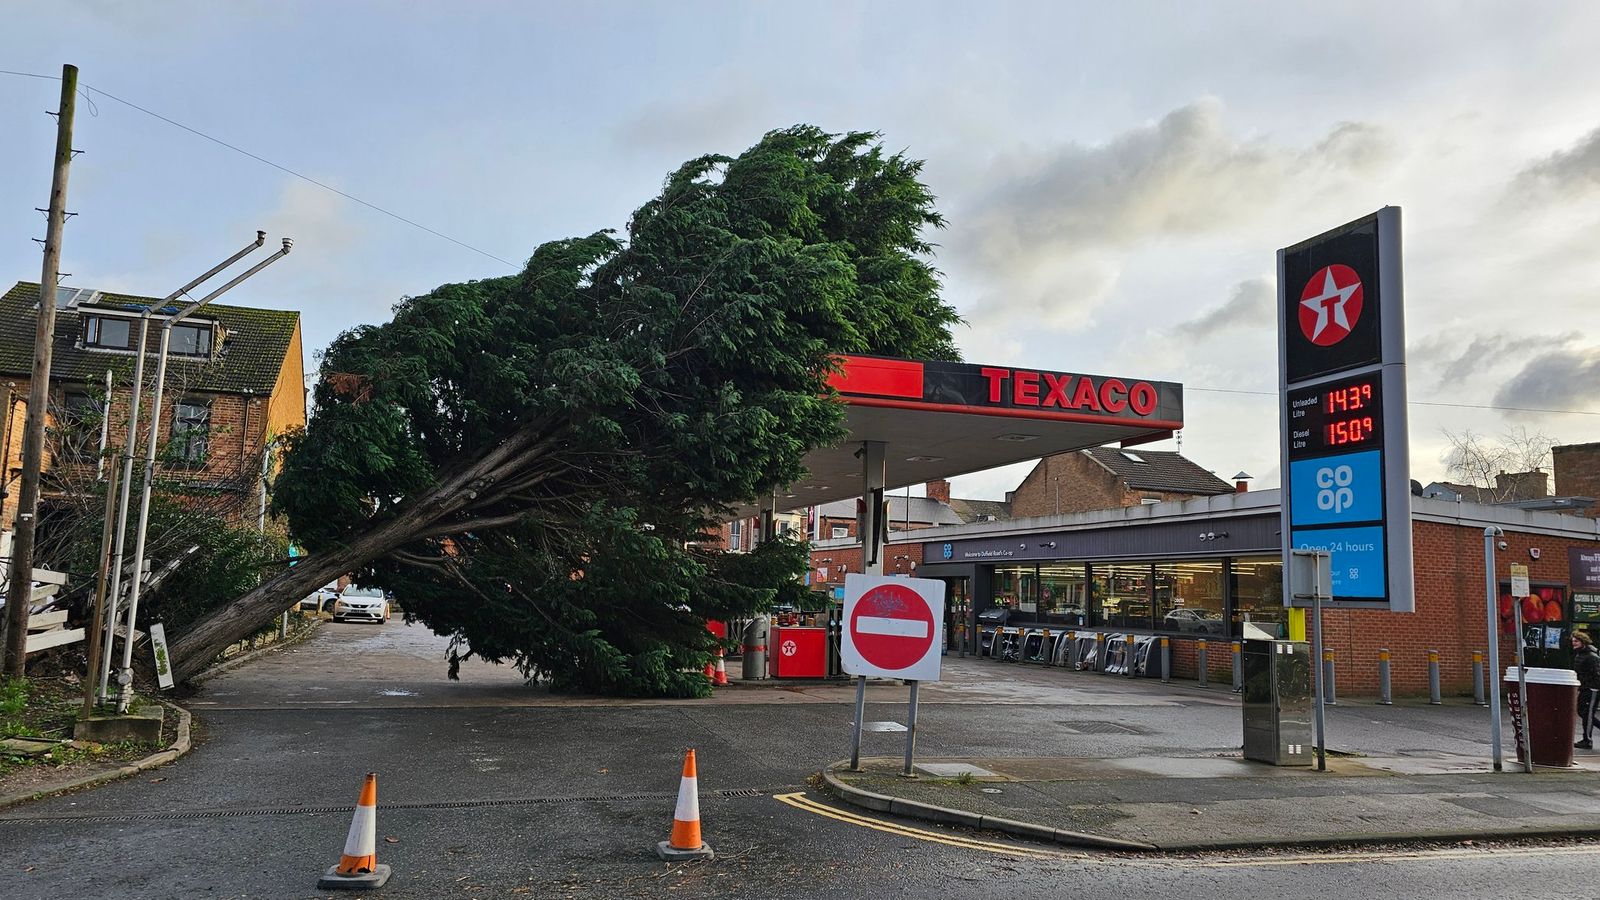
<point>832,558</point>
<point>1451,610</point>
<point>1082,484</point>
<point>1073,482</point>
<point>237,433</point>
<point>1577,471</point>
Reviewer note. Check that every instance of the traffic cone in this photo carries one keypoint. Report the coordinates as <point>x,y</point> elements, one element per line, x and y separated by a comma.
<point>685,842</point>
<point>719,676</point>
<point>358,867</point>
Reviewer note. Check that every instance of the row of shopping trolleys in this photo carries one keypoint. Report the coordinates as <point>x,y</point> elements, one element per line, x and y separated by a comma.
<point>1086,651</point>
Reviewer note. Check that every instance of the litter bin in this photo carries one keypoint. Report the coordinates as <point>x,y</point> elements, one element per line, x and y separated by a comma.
<point>1552,714</point>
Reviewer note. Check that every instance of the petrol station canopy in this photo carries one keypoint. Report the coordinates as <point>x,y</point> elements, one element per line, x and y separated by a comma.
<point>941,419</point>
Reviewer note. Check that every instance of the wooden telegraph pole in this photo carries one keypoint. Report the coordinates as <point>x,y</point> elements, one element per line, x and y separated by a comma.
<point>19,595</point>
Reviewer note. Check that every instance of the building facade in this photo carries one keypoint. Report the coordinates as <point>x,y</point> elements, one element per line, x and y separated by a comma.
<point>1199,569</point>
<point>235,384</point>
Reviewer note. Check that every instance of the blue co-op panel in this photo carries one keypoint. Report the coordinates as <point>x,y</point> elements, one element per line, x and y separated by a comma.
<point>1334,490</point>
<point>1356,556</point>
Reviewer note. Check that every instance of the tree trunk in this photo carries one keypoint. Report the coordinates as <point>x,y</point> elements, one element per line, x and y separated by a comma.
<point>197,646</point>
<point>192,650</point>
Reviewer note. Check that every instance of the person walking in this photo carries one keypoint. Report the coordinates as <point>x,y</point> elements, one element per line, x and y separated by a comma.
<point>1586,662</point>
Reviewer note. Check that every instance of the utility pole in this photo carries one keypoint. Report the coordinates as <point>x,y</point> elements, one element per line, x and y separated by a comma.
<point>19,596</point>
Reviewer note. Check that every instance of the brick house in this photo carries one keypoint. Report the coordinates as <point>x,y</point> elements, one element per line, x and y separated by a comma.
<point>1577,471</point>
<point>1109,478</point>
<point>235,383</point>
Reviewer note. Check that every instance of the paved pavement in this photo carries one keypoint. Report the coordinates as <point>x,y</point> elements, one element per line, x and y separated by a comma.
<point>489,788</point>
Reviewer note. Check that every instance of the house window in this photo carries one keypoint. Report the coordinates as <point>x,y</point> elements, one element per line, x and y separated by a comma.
<point>840,531</point>
<point>191,340</point>
<point>107,333</point>
<point>77,429</point>
<point>735,534</point>
<point>191,431</point>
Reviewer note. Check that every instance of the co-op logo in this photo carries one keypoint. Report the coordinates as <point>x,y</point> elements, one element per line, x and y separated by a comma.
<point>1333,489</point>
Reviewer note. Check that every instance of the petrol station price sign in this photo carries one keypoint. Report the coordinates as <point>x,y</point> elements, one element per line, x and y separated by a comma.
<point>1342,384</point>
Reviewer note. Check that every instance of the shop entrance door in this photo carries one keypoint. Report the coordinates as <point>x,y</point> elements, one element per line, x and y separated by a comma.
<point>957,612</point>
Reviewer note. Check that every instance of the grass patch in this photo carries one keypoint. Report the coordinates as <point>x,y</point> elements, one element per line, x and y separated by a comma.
<point>48,708</point>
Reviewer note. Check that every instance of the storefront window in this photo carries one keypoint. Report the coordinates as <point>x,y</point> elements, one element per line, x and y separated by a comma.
<point>1063,593</point>
<point>1009,586</point>
<point>1189,597</point>
<point>1258,595</point>
<point>1122,595</point>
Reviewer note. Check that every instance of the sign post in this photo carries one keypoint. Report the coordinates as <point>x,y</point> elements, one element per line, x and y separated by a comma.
<point>890,631</point>
<point>1519,591</point>
<point>1312,580</point>
<point>1492,592</point>
<point>1342,383</point>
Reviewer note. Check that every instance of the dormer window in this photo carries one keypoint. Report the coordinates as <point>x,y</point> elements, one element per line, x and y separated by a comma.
<point>107,333</point>
<point>191,340</point>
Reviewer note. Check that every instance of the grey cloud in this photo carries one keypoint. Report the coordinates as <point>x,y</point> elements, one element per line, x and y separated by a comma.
<point>1488,350</point>
<point>1249,304</point>
<point>1559,379</point>
<point>1041,215</point>
<point>1453,358</point>
<point>1573,170</point>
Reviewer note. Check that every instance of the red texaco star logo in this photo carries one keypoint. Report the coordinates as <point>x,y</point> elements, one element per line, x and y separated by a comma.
<point>1330,305</point>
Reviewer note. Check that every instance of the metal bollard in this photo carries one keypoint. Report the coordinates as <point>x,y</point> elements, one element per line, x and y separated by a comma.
<point>1099,651</point>
<point>1129,655</point>
<point>1385,697</point>
<point>1433,679</point>
<point>1477,678</point>
<point>1072,650</point>
<point>1330,696</point>
<point>1166,662</point>
<point>1238,667</point>
<point>1200,653</point>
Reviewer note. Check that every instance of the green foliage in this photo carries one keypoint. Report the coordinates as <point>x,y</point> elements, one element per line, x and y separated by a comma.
<point>630,391</point>
<point>229,559</point>
<point>13,700</point>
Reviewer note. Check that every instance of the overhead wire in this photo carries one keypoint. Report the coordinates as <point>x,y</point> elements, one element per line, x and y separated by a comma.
<point>280,167</point>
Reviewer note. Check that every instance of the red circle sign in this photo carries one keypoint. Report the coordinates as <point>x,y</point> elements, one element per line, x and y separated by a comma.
<point>1330,304</point>
<point>892,627</point>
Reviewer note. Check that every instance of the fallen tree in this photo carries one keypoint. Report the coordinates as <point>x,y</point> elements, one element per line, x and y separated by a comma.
<point>531,458</point>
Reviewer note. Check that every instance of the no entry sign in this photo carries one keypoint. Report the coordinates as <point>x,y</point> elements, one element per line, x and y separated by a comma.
<point>891,626</point>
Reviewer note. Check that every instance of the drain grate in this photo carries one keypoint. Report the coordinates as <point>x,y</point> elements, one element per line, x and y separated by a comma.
<point>181,815</point>
<point>1093,726</point>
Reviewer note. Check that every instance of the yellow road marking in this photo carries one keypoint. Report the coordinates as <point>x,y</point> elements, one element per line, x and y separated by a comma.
<point>800,801</point>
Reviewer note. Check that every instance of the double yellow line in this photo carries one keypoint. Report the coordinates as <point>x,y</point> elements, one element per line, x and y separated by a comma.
<point>800,801</point>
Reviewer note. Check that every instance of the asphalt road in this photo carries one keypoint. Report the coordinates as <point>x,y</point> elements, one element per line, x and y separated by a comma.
<point>488,788</point>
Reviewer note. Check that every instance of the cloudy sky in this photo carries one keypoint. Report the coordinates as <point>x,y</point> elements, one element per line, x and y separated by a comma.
<point>1117,177</point>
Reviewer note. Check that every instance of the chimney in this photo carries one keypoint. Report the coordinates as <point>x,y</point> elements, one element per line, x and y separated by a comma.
<point>939,490</point>
<point>1521,485</point>
<point>1241,482</point>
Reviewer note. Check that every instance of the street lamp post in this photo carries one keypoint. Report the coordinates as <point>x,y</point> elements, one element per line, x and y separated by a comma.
<point>125,675</point>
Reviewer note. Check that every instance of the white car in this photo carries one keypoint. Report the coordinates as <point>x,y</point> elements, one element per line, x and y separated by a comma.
<point>361,604</point>
<point>322,599</point>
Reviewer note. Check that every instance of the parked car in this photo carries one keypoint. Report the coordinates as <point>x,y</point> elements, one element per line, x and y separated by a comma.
<point>1195,621</point>
<point>321,600</point>
<point>361,604</point>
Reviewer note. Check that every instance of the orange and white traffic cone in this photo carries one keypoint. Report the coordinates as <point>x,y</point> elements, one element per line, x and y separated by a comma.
<point>686,842</point>
<point>719,676</point>
<point>358,867</point>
